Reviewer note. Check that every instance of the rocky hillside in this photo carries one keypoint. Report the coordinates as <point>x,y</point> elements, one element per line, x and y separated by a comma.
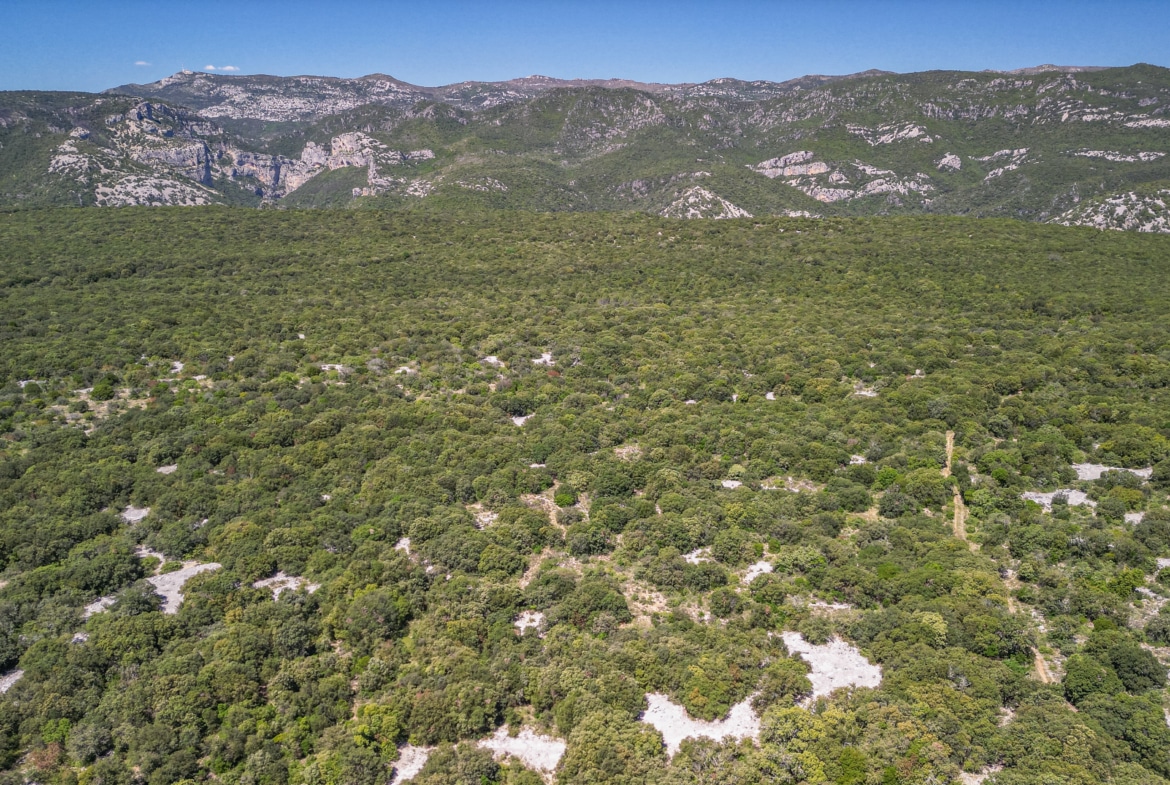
<point>1053,144</point>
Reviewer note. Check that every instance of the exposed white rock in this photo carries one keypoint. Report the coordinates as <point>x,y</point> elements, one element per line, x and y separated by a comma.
<point>769,396</point>
<point>338,367</point>
<point>484,518</point>
<point>835,664</point>
<point>888,134</point>
<point>170,585</point>
<point>403,545</point>
<point>1130,211</point>
<point>79,637</point>
<point>281,582</point>
<point>698,556</point>
<point>97,606</point>
<point>1162,564</point>
<point>133,189</point>
<point>134,514</point>
<point>731,483</point>
<point>951,162</point>
<point>533,619</point>
<point>521,419</point>
<point>1134,517</point>
<point>170,468</point>
<point>756,570</point>
<point>1093,471</point>
<point>675,724</point>
<point>855,460</point>
<point>545,358</point>
<point>698,202</point>
<point>483,184</point>
<point>791,165</point>
<point>177,366</point>
<point>967,778</point>
<point>491,359</point>
<point>411,760</point>
<point>1075,498</point>
<point>9,679</point>
<point>1149,122</point>
<point>537,752</point>
<point>1112,155</point>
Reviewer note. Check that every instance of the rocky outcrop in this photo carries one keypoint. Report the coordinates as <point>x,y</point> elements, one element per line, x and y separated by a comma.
<point>950,162</point>
<point>698,202</point>
<point>791,165</point>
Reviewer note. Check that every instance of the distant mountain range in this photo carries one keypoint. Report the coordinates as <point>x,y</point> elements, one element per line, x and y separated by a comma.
<point>1064,144</point>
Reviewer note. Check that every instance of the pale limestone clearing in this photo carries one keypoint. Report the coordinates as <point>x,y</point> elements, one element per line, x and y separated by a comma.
<point>403,545</point>
<point>521,420</point>
<point>828,607</point>
<point>97,606</point>
<point>863,391</point>
<point>545,358</point>
<point>533,619</point>
<point>835,664</point>
<point>281,582</point>
<point>8,679</point>
<point>856,460</point>
<point>1161,564</point>
<point>769,396</point>
<point>1093,471</point>
<point>170,468</point>
<point>627,452</point>
<point>537,752</point>
<point>483,518</point>
<point>675,725</point>
<point>170,585</point>
<point>698,556</point>
<point>177,366</point>
<point>731,483</point>
<point>134,514</point>
<point>79,637</point>
<point>1075,498</point>
<point>1134,517</point>
<point>756,570</point>
<point>491,359</point>
<point>341,369</point>
<point>966,778</point>
<point>411,760</point>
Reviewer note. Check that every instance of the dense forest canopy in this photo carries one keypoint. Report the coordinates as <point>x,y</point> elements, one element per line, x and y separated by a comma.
<point>516,471</point>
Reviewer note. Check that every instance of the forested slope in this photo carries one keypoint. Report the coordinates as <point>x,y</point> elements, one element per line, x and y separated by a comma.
<point>525,470</point>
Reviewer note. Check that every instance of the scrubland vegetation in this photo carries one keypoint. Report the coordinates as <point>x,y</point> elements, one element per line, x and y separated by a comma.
<point>336,396</point>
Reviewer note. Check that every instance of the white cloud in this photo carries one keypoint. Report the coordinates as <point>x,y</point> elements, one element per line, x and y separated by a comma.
<point>220,68</point>
<point>209,68</point>
<point>141,62</point>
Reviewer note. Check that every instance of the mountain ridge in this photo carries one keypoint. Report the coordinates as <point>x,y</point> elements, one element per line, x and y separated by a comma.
<point>1064,144</point>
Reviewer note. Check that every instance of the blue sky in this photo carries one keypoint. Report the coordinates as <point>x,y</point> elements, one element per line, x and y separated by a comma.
<point>71,45</point>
